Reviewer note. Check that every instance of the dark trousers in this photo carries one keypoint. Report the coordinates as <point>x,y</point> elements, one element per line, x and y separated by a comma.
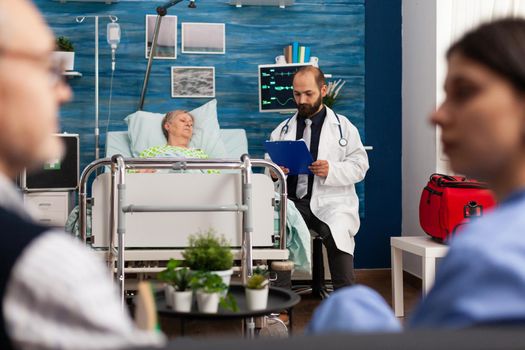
<point>341,263</point>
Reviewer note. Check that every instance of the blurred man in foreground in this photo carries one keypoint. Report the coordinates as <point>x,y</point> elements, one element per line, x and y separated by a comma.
<point>54,292</point>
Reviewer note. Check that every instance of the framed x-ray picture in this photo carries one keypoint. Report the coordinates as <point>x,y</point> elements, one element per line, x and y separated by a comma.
<point>192,82</point>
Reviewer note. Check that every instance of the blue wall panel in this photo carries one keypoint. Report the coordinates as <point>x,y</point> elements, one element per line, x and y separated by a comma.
<point>383,131</point>
<point>254,35</point>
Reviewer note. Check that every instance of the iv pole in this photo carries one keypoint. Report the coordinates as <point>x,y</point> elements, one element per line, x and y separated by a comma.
<point>81,19</point>
<point>161,12</point>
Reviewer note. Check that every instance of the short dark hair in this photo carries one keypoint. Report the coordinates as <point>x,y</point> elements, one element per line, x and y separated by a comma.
<point>168,117</point>
<point>318,74</point>
<point>498,45</point>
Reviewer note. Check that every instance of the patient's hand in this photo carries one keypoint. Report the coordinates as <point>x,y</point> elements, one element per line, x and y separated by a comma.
<point>284,169</point>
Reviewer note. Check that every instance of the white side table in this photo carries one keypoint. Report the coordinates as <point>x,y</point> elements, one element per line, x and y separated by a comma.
<point>421,246</point>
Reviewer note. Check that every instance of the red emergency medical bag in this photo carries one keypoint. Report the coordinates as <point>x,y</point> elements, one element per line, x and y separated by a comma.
<point>448,202</point>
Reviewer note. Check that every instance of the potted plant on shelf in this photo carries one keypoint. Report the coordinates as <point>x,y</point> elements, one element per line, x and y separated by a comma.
<point>257,291</point>
<point>65,52</point>
<point>178,293</point>
<point>208,252</point>
<point>208,288</point>
<point>332,92</point>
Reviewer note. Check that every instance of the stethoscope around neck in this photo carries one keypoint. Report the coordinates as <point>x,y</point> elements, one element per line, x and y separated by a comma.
<point>342,141</point>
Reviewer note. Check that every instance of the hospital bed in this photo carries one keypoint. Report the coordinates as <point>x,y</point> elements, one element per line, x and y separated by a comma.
<point>147,218</point>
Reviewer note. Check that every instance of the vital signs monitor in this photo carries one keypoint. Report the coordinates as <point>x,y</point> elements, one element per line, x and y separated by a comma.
<point>276,87</point>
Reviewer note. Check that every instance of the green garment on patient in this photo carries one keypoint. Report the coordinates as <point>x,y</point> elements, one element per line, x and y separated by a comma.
<point>168,151</point>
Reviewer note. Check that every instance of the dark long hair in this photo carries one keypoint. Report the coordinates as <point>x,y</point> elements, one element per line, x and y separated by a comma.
<point>498,45</point>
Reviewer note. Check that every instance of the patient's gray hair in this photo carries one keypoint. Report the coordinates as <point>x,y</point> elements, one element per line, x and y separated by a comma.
<point>169,117</point>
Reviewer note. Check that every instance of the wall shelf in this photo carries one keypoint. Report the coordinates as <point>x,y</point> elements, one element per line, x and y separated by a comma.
<point>280,3</point>
<point>72,74</point>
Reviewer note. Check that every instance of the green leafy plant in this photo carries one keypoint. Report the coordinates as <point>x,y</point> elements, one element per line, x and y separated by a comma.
<point>334,87</point>
<point>257,282</point>
<point>208,282</point>
<point>229,303</point>
<point>64,44</point>
<point>259,279</point>
<point>208,252</point>
<point>178,277</point>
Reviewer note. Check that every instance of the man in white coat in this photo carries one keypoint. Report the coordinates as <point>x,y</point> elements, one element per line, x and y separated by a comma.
<point>327,199</point>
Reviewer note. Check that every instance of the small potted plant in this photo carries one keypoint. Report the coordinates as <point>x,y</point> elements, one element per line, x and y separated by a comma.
<point>177,292</point>
<point>65,52</point>
<point>257,291</point>
<point>208,252</point>
<point>166,276</point>
<point>208,288</point>
<point>332,92</point>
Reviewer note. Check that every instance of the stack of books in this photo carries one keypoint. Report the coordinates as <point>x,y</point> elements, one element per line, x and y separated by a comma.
<point>297,54</point>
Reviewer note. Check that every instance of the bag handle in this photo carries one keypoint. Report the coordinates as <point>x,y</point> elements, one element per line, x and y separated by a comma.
<point>446,177</point>
<point>462,183</point>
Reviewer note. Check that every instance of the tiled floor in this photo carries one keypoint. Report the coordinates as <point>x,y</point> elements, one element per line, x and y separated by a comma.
<point>376,279</point>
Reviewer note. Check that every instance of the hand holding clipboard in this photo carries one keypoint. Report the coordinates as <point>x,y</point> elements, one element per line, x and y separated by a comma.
<point>293,155</point>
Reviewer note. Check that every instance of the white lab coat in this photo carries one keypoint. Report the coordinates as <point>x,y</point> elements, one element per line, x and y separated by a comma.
<point>334,200</point>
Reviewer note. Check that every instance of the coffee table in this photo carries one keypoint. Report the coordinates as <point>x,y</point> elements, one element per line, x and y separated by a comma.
<point>279,299</point>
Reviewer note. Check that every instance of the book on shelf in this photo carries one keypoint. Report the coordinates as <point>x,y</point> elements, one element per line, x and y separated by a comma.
<point>301,54</point>
<point>295,52</point>
<point>288,54</point>
<point>307,54</point>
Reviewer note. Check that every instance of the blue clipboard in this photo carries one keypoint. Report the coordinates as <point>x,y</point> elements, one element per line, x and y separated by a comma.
<point>293,155</point>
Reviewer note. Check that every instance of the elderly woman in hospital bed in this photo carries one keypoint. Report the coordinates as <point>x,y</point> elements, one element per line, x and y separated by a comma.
<point>177,127</point>
<point>181,134</point>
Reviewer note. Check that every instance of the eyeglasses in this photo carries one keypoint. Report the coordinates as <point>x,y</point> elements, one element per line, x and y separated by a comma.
<point>55,69</point>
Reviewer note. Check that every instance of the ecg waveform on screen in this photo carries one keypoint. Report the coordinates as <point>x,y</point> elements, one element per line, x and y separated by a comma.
<point>275,99</point>
<point>276,87</point>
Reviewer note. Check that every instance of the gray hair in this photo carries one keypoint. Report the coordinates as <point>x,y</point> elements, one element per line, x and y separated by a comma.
<point>169,117</point>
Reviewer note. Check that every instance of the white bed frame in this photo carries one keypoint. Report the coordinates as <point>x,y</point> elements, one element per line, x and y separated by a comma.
<point>149,216</point>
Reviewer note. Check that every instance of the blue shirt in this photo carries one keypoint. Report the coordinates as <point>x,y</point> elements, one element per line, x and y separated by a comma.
<point>480,282</point>
<point>482,278</point>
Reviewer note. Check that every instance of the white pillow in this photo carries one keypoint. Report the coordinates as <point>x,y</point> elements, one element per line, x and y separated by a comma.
<point>144,130</point>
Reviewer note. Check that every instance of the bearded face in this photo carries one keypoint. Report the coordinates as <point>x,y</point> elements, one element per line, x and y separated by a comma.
<point>306,109</point>
<point>308,94</point>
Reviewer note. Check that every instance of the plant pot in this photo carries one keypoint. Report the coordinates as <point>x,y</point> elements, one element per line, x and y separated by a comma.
<point>226,276</point>
<point>256,299</point>
<point>169,290</point>
<point>67,57</point>
<point>208,302</point>
<point>182,300</point>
